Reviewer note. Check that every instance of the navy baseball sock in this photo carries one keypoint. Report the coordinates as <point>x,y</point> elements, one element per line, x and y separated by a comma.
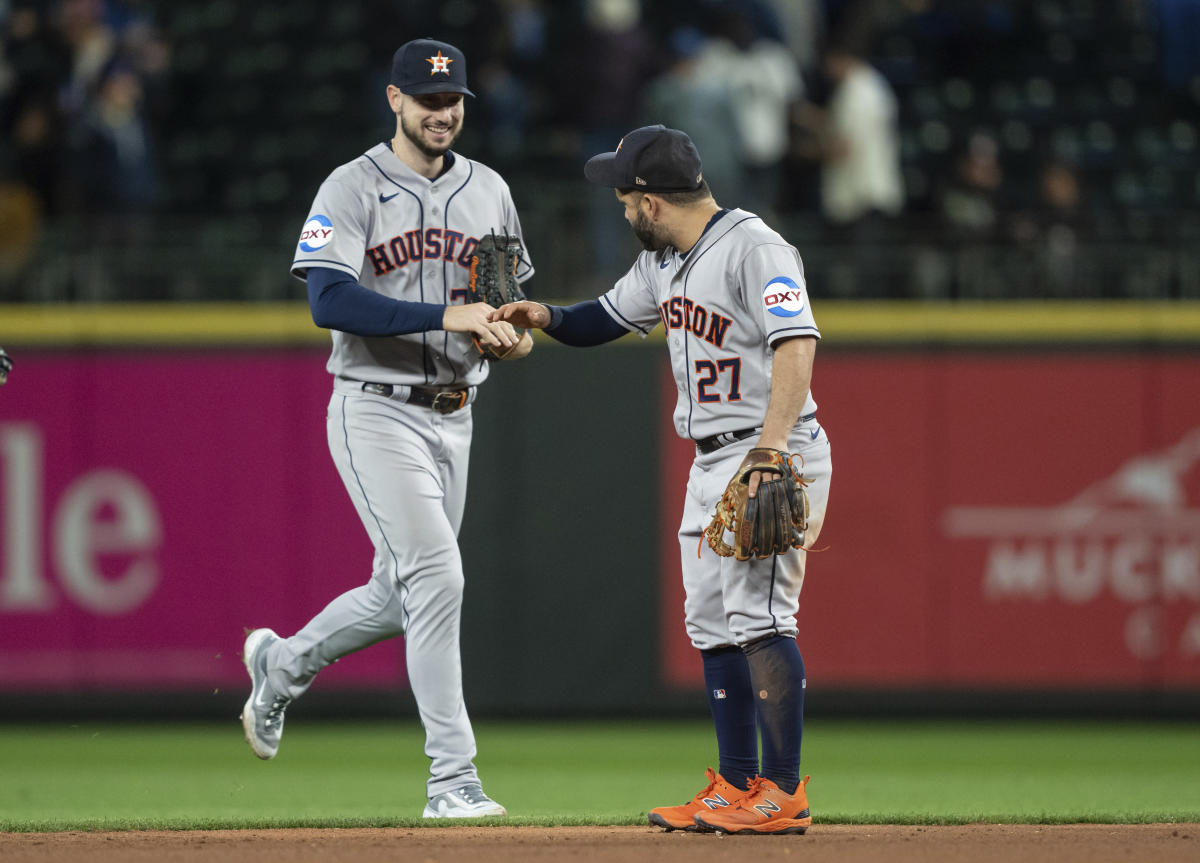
<point>731,701</point>
<point>777,675</point>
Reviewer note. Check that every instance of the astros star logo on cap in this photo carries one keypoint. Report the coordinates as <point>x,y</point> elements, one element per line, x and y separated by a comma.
<point>440,63</point>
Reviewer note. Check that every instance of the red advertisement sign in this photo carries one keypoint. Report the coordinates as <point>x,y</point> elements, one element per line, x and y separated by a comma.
<point>996,520</point>
<point>149,511</point>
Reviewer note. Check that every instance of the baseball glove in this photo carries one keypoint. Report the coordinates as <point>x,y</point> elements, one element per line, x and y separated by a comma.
<point>493,280</point>
<point>772,521</point>
<point>5,366</point>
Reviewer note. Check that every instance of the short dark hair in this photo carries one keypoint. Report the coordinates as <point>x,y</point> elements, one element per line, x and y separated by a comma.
<point>677,199</point>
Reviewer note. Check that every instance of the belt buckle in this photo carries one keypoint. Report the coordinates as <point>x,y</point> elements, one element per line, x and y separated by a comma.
<point>449,402</point>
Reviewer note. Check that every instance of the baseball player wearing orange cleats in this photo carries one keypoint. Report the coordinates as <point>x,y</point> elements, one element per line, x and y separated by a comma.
<point>718,794</point>
<point>731,294</point>
<point>765,808</point>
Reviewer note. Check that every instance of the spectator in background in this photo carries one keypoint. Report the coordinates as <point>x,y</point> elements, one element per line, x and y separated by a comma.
<point>33,61</point>
<point>861,179</point>
<point>802,26</point>
<point>145,51</point>
<point>109,169</point>
<point>969,200</point>
<point>108,102</point>
<point>76,109</point>
<point>507,79</point>
<point>1054,229</point>
<point>972,219</point>
<point>764,85</point>
<point>110,152</point>
<point>92,45</point>
<point>612,60</point>
<point>702,105</point>
<point>855,139</point>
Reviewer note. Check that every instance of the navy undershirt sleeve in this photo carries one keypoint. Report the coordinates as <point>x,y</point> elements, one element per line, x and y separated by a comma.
<point>583,324</point>
<point>338,302</point>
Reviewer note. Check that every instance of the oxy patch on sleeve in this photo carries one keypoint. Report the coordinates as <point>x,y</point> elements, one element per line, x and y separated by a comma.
<point>783,298</point>
<point>316,234</point>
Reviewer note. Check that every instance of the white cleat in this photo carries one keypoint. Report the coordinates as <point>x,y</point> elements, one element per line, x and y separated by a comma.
<point>466,802</point>
<point>262,716</point>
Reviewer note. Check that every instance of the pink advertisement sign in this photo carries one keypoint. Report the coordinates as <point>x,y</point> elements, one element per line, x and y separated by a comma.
<point>996,520</point>
<point>152,506</point>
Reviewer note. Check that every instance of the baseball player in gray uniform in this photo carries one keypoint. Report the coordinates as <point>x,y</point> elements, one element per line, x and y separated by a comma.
<point>385,253</point>
<point>731,295</point>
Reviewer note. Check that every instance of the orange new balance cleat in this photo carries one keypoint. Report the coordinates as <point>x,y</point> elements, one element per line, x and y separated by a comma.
<point>765,808</point>
<point>719,794</point>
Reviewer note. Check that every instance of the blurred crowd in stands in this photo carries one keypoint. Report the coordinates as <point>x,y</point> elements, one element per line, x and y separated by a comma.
<point>835,115</point>
<point>83,89</point>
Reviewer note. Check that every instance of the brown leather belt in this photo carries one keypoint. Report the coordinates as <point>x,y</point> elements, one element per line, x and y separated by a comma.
<point>442,401</point>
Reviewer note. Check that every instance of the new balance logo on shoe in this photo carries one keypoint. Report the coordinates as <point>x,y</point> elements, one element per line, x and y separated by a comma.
<point>718,795</point>
<point>767,808</point>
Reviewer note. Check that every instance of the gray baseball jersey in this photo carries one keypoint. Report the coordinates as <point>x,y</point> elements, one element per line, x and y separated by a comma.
<point>404,465</point>
<point>407,238</point>
<point>723,305</point>
<point>736,293</point>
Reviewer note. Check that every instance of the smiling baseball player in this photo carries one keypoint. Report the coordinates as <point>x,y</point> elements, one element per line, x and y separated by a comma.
<point>731,294</point>
<point>387,254</point>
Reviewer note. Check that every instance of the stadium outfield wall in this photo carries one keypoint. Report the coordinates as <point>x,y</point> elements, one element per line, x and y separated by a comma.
<point>1014,525</point>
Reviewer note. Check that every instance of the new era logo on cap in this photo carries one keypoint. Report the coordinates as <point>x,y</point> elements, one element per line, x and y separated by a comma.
<point>651,159</point>
<point>428,66</point>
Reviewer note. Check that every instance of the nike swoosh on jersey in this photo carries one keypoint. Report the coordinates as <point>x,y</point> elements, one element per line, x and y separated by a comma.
<point>383,199</point>
<point>815,432</point>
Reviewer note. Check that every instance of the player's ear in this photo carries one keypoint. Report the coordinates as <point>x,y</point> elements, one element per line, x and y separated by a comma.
<point>394,97</point>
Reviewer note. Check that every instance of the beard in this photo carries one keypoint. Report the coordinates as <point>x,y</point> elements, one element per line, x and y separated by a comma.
<point>415,134</point>
<point>650,235</point>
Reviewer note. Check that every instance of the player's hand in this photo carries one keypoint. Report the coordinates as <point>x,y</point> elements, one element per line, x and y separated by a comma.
<point>757,477</point>
<point>523,348</point>
<point>761,475</point>
<point>473,318</point>
<point>524,313</point>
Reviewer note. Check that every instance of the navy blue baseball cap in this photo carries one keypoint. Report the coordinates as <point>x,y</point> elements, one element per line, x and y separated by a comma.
<point>428,66</point>
<point>649,159</point>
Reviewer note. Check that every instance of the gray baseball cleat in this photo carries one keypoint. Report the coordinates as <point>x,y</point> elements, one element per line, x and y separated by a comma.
<point>262,716</point>
<point>466,802</point>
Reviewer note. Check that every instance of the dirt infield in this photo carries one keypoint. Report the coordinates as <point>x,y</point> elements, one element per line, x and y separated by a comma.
<point>977,843</point>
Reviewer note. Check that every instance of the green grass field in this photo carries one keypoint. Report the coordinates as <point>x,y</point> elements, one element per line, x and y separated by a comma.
<point>346,774</point>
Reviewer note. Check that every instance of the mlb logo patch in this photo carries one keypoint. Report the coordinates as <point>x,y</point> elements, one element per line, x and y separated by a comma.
<point>718,693</point>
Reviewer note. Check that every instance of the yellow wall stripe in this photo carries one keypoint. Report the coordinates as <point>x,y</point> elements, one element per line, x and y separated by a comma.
<point>881,323</point>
